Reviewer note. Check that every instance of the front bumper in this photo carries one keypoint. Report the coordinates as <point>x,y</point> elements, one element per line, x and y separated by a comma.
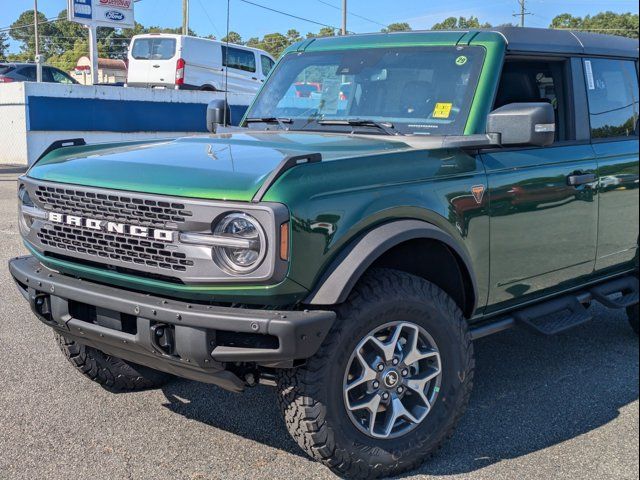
<point>197,340</point>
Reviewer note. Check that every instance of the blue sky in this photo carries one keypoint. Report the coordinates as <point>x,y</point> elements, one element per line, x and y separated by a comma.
<point>209,16</point>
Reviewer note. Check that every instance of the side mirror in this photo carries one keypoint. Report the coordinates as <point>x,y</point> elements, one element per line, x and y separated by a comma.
<point>218,113</point>
<point>523,124</point>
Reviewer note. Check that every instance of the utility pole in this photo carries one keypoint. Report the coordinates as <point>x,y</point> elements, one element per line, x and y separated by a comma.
<point>344,17</point>
<point>185,17</point>
<point>523,12</point>
<point>38,59</point>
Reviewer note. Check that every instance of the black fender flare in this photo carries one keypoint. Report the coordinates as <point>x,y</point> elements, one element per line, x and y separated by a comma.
<point>345,271</point>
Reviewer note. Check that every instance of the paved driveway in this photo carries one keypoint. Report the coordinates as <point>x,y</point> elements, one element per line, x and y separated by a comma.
<point>561,407</point>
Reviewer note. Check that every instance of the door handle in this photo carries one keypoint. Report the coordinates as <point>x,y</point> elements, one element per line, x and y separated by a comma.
<point>576,179</point>
<point>156,66</point>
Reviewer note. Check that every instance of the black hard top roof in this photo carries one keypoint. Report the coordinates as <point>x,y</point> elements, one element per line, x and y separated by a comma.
<point>543,40</point>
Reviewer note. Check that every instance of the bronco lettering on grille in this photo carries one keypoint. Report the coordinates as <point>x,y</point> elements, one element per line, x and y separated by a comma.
<point>112,227</point>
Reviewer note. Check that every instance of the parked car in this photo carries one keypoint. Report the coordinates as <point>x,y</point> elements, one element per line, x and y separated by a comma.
<point>185,62</point>
<point>26,72</point>
<point>349,247</point>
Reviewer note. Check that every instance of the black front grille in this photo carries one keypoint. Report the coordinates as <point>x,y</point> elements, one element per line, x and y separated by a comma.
<point>114,247</point>
<point>113,207</point>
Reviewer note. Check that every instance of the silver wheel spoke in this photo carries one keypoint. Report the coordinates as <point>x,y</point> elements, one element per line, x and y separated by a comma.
<point>371,404</point>
<point>368,374</point>
<point>388,348</point>
<point>392,380</point>
<point>419,384</point>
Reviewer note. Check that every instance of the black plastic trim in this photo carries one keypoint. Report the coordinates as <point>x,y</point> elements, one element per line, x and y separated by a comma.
<point>299,333</point>
<point>345,271</point>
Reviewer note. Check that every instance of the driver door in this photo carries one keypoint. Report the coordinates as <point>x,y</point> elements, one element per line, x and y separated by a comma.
<point>544,209</point>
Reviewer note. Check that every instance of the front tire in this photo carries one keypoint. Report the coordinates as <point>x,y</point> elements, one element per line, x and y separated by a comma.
<point>361,434</point>
<point>112,373</point>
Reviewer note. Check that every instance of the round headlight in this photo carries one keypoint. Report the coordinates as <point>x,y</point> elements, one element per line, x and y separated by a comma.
<point>246,246</point>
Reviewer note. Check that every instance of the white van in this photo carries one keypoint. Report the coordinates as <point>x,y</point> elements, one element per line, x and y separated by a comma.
<point>183,62</point>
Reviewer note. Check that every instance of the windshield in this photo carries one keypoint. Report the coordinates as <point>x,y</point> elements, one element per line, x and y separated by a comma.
<point>417,90</point>
<point>153,48</point>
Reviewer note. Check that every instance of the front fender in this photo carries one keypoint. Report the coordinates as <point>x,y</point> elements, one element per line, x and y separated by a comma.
<point>345,271</point>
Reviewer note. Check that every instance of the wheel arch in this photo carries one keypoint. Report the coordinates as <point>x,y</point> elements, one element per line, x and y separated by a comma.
<point>387,246</point>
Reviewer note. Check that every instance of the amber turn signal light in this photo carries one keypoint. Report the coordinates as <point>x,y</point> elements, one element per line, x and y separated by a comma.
<point>284,241</point>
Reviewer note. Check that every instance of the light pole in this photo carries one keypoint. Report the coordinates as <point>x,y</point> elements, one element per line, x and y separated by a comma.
<point>344,17</point>
<point>38,58</point>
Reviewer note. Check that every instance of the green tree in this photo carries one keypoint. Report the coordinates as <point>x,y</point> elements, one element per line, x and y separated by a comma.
<point>397,27</point>
<point>453,23</point>
<point>68,60</point>
<point>254,42</point>
<point>22,30</point>
<point>293,36</point>
<point>274,43</point>
<point>233,37</point>
<point>4,45</point>
<point>324,32</point>
<point>623,24</point>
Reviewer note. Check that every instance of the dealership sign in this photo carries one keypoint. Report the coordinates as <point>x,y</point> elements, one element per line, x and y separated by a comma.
<point>102,13</point>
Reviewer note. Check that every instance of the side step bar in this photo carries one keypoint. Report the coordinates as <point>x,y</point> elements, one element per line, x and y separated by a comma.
<point>563,313</point>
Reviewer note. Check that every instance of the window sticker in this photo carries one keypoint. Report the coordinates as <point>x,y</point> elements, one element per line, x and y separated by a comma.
<point>461,60</point>
<point>588,71</point>
<point>442,110</point>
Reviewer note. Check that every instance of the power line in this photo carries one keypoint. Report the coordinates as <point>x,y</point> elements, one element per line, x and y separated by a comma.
<point>29,25</point>
<point>288,14</point>
<point>523,12</point>
<point>207,15</point>
<point>353,14</point>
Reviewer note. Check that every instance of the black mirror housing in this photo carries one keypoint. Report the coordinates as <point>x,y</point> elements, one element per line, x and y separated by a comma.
<point>218,114</point>
<point>523,124</point>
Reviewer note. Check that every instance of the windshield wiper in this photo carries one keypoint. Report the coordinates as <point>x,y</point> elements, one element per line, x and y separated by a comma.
<point>280,121</point>
<point>386,127</point>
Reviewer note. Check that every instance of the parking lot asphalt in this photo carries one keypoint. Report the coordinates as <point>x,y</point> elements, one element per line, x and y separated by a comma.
<point>560,407</point>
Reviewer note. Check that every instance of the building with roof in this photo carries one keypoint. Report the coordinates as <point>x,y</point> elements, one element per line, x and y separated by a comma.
<point>109,71</point>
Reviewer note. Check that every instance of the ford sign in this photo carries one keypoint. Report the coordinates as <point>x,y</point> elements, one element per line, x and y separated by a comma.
<point>114,15</point>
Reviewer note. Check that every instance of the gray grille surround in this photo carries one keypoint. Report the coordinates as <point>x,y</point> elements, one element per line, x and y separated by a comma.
<point>176,261</point>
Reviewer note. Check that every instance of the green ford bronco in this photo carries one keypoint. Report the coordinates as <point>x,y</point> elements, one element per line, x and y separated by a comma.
<point>386,200</point>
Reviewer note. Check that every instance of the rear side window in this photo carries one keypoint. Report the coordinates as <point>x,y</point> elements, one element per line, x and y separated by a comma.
<point>153,48</point>
<point>60,77</point>
<point>28,72</point>
<point>5,69</point>
<point>267,65</point>
<point>238,59</point>
<point>612,88</point>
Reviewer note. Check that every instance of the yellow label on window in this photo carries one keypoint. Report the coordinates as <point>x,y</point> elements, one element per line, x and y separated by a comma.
<point>442,110</point>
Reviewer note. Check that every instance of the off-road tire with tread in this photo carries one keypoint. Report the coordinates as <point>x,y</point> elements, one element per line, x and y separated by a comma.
<point>632,314</point>
<point>112,373</point>
<point>311,396</point>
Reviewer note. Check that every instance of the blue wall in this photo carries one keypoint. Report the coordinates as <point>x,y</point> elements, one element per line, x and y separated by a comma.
<point>96,115</point>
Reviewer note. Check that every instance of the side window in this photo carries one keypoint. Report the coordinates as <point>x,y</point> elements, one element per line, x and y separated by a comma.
<point>612,89</point>
<point>60,77</point>
<point>524,81</point>
<point>267,65</point>
<point>29,72</point>
<point>239,59</point>
<point>47,74</point>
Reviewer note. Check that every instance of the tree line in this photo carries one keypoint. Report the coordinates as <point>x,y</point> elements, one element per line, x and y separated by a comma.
<point>63,42</point>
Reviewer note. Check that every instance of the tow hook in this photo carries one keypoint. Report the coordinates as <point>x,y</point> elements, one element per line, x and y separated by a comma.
<point>163,338</point>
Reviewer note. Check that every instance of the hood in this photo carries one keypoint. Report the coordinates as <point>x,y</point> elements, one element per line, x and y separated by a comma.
<point>223,167</point>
